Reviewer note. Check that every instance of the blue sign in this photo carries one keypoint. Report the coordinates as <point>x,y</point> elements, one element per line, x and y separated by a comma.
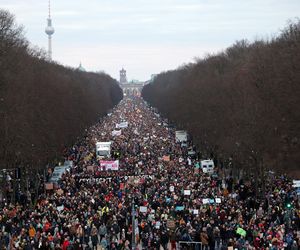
<point>179,208</point>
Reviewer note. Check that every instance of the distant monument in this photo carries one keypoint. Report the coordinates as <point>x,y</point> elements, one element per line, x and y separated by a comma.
<point>123,78</point>
<point>49,31</point>
<point>131,88</point>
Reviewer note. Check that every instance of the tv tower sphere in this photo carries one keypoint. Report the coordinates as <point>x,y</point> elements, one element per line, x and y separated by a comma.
<point>49,29</point>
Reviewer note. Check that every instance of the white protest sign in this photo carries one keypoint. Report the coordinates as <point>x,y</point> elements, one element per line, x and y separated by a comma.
<point>122,125</point>
<point>187,192</point>
<point>116,132</point>
<point>218,200</point>
<point>180,135</point>
<point>296,183</point>
<point>171,188</point>
<point>60,208</point>
<point>205,201</point>
<point>143,209</point>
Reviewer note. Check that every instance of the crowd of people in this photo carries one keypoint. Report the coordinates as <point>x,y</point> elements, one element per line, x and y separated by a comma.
<point>158,198</point>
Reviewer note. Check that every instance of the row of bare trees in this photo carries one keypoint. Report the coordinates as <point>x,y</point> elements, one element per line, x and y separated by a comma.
<point>242,104</point>
<point>44,106</point>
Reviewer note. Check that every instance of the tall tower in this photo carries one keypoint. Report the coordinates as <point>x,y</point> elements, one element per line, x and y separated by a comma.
<point>49,31</point>
<point>123,78</point>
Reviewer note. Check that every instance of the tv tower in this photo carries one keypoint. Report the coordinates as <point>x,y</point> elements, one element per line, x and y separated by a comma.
<point>49,31</point>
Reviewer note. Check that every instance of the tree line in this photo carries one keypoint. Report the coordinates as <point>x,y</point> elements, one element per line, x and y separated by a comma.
<point>240,105</point>
<point>44,107</point>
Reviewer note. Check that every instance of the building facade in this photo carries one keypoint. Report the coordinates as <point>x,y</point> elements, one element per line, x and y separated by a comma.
<point>132,88</point>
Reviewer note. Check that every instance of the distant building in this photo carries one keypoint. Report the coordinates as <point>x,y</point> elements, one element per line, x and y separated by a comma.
<point>80,68</point>
<point>123,78</point>
<point>133,87</point>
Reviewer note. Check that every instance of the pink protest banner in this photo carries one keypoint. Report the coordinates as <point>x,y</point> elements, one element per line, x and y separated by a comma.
<point>109,165</point>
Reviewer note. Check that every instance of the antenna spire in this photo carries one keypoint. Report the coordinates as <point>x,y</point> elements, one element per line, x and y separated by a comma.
<point>49,7</point>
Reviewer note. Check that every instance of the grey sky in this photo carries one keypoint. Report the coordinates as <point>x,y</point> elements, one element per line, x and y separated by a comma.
<point>147,36</point>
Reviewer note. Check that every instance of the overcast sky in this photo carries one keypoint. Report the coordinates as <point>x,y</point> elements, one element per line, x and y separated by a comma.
<point>147,36</point>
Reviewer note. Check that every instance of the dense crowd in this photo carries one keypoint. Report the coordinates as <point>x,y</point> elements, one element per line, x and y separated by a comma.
<point>175,203</point>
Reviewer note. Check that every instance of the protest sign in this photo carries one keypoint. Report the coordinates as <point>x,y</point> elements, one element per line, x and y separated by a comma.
<point>171,224</point>
<point>179,208</point>
<point>49,186</point>
<point>296,183</point>
<point>218,200</point>
<point>166,158</point>
<point>60,208</point>
<point>116,132</point>
<point>205,201</point>
<point>187,192</point>
<point>180,136</point>
<point>109,165</point>
<point>143,209</point>
<point>122,125</point>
